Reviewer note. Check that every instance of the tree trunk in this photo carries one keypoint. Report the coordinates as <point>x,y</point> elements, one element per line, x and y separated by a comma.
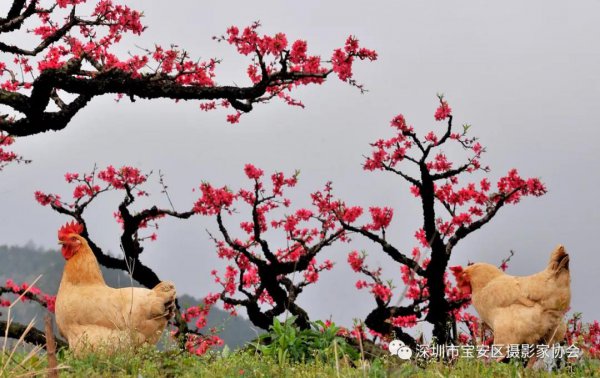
<point>438,314</point>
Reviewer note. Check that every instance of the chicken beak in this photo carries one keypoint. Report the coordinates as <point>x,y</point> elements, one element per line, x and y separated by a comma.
<point>60,242</point>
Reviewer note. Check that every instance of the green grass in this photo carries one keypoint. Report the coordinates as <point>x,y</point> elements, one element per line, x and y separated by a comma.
<point>148,362</point>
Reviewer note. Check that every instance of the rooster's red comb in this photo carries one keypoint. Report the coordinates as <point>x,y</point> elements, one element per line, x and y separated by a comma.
<point>69,228</point>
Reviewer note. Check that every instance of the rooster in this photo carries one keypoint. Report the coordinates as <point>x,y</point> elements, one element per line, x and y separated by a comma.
<point>520,310</point>
<point>90,314</point>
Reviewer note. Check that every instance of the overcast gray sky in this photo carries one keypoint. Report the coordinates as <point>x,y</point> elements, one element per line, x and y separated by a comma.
<point>524,74</point>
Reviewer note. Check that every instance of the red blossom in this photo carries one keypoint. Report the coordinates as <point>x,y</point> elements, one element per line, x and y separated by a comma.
<point>234,118</point>
<point>443,111</point>
<point>123,176</point>
<point>440,163</point>
<point>213,200</point>
<point>515,187</point>
<point>342,60</point>
<point>383,292</point>
<point>252,172</point>
<point>27,292</point>
<point>356,261</point>
<point>7,157</point>
<point>360,284</point>
<point>400,123</point>
<point>381,218</point>
<point>585,336</point>
<point>404,321</point>
<point>415,191</point>
<point>432,138</point>
<point>298,52</point>
<point>46,199</point>
<point>351,214</point>
<point>311,275</point>
<point>422,238</point>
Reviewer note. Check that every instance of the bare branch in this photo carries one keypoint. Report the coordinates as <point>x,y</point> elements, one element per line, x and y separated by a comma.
<point>387,248</point>
<point>463,231</point>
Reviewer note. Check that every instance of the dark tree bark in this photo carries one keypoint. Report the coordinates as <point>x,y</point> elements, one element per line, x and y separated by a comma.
<point>34,336</point>
<point>378,321</point>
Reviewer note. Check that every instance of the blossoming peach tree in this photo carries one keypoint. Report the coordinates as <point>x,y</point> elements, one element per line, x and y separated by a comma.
<point>266,277</point>
<point>451,210</point>
<point>72,59</point>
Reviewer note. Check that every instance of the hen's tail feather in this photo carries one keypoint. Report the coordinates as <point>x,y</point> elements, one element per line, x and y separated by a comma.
<point>170,309</point>
<point>166,290</point>
<point>559,261</point>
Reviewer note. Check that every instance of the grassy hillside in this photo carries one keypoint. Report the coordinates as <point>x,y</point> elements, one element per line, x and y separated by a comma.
<point>25,264</point>
<point>330,360</point>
